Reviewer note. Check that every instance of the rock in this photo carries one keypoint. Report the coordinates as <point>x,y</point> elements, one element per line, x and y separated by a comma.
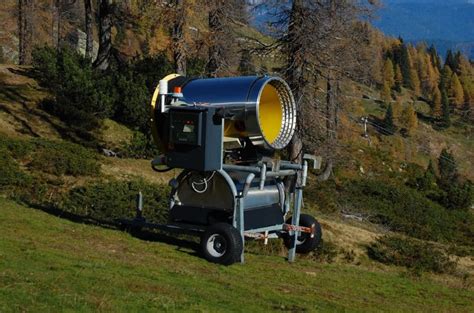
<point>77,40</point>
<point>109,153</point>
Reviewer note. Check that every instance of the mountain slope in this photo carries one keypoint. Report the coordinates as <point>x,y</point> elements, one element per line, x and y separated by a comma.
<point>82,268</point>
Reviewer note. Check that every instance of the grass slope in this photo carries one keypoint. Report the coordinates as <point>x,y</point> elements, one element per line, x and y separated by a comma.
<point>50,264</point>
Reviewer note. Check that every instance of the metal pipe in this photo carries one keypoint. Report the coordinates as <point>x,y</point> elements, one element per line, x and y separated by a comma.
<point>241,168</point>
<point>281,173</point>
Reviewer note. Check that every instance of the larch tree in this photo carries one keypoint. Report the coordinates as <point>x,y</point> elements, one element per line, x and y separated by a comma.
<point>25,31</point>
<point>222,14</point>
<point>436,102</point>
<point>332,28</point>
<point>397,109</point>
<point>409,119</point>
<point>456,91</point>
<point>386,93</point>
<point>388,73</point>
<point>398,78</point>
<point>445,108</point>
<point>178,46</point>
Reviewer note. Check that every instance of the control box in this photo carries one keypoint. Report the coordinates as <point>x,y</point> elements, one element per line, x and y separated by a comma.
<point>195,138</point>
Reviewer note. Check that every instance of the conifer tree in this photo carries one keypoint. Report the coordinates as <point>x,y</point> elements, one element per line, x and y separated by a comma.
<point>386,93</point>
<point>388,123</point>
<point>445,80</point>
<point>409,120</point>
<point>456,91</point>
<point>435,60</point>
<point>436,102</point>
<point>404,62</point>
<point>398,78</point>
<point>397,108</point>
<point>450,60</point>
<point>428,180</point>
<point>415,82</point>
<point>445,108</point>
<point>448,170</point>
<point>388,73</point>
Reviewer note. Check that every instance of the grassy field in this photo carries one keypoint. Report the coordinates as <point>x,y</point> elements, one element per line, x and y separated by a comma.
<point>51,264</point>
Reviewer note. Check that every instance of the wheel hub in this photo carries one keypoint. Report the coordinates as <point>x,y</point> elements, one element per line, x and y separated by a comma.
<point>216,245</point>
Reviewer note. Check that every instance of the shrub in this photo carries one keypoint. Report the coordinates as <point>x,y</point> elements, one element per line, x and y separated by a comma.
<point>80,93</point>
<point>326,252</point>
<point>64,158</point>
<point>116,199</point>
<point>10,173</point>
<point>140,147</point>
<point>411,253</point>
<point>406,210</point>
<point>18,149</point>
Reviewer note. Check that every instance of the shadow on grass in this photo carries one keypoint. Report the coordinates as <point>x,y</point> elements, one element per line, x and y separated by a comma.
<point>180,241</point>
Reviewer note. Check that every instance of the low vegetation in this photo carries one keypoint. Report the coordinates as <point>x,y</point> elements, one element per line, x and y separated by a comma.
<point>414,254</point>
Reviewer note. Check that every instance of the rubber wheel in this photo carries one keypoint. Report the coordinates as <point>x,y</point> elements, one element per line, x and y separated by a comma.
<point>222,244</point>
<point>305,243</point>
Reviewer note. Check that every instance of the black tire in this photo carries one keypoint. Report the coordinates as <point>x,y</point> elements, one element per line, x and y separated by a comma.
<point>305,243</point>
<point>222,244</point>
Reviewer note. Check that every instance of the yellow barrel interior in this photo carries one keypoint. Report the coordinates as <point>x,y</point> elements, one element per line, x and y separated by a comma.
<point>270,113</point>
<point>270,117</point>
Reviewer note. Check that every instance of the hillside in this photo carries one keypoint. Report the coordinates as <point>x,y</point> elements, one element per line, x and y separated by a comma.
<point>394,128</point>
<point>77,267</point>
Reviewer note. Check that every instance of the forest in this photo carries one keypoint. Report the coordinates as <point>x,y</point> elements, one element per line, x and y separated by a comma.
<point>392,120</point>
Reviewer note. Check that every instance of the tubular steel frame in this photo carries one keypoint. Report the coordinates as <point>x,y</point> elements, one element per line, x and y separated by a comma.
<point>279,169</point>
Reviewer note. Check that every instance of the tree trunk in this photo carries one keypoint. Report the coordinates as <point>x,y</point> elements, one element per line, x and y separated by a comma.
<point>215,49</point>
<point>105,35</point>
<point>56,23</point>
<point>179,48</point>
<point>25,30</point>
<point>89,24</point>
<point>331,125</point>
<point>294,74</point>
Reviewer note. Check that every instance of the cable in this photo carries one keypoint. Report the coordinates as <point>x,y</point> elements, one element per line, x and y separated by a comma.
<point>204,181</point>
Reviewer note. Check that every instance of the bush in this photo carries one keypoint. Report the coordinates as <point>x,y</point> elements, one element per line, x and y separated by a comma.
<point>411,253</point>
<point>81,95</point>
<point>116,199</point>
<point>11,175</point>
<point>140,147</point>
<point>406,210</point>
<point>64,158</point>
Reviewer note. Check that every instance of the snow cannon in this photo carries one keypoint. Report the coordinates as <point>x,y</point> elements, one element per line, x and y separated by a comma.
<point>222,133</point>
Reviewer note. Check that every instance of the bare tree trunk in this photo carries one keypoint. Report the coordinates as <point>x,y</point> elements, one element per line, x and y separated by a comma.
<point>56,23</point>
<point>105,35</point>
<point>179,48</point>
<point>294,73</point>
<point>25,29</point>
<point>331,125</point>
<point>215,62</point>
<point>89,24</point>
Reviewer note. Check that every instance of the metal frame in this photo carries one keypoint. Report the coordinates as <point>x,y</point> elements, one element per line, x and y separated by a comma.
<point>277,169</point>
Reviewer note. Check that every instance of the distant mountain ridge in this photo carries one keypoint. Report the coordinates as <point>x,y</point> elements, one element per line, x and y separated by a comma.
<point>448,24</point>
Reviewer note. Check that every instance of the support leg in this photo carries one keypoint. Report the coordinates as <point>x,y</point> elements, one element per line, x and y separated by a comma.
<point>238,223</point>
<point>295,220</point>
